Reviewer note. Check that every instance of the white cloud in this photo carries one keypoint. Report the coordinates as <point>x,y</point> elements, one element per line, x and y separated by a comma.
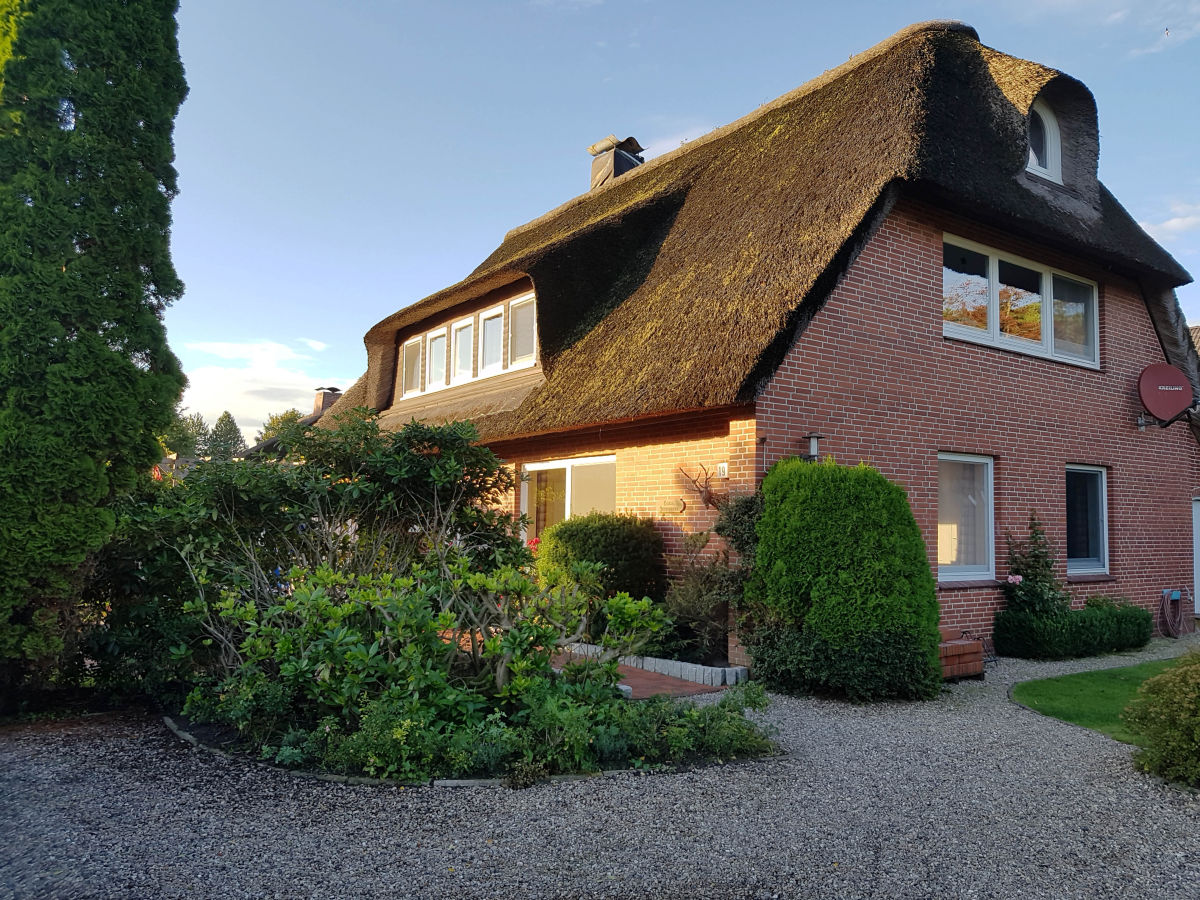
<point>255,379</point>
<point>1184,217</point>
<point>1118,16</point>
<point>313,345</point>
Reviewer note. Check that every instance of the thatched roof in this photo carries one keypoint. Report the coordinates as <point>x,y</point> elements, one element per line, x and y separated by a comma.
<point>681,284</point>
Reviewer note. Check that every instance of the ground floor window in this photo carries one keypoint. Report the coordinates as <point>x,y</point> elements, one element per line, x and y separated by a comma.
<point>570,487</point>
<point>965,536</point>
<point>1087,520</point>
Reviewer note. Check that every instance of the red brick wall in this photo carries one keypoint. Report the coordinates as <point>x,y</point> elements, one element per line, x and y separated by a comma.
<point>874,373</point>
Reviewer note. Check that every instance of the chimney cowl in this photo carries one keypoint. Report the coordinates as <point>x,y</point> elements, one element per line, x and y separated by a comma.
<point>612,158</point>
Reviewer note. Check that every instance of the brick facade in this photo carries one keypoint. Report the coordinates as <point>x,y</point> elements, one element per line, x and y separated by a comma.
<point>874,374</point>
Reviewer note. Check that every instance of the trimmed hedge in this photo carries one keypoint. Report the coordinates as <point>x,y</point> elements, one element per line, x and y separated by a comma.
<point>1103,626</point>
<point>842,573</point>
<point>1166,715</point>
<point>629,548</point>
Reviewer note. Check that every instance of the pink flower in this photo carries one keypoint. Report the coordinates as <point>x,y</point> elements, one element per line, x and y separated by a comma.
<point>1015,579</point>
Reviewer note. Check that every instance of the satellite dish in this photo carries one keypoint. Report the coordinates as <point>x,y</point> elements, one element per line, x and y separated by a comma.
<point>1165,392</point>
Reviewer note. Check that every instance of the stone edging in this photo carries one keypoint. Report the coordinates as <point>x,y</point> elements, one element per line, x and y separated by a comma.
<point>433,782</point>
<point>713,676</point>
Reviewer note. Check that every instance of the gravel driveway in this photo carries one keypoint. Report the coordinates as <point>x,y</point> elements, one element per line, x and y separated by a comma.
<point>968,796</point>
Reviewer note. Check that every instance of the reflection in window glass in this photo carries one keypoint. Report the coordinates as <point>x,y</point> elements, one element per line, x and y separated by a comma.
<point>964,517</point>
<point>491,347</point>
<point>1020,301</point>
<point>548,488</point>
<point>964,287</point>
<point>1085,520</point>
<point>412,367</point>
<point>464,347</point>
<point>436,375</point>
<point>1074,318</point>
<point>1037,141</point>
<point>593,488</point>
<point>521,340</point>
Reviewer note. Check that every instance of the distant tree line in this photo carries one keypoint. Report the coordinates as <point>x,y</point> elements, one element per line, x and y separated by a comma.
<point>189,435</point>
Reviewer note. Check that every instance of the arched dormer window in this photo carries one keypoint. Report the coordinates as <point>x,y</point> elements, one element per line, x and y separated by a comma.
<point>1045,143</point>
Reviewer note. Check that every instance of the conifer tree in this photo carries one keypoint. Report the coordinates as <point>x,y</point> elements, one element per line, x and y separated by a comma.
<point>89,90</point>
<point>225,441</point>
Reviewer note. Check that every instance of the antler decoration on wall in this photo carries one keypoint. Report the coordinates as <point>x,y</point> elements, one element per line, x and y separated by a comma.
<point>702,485</point>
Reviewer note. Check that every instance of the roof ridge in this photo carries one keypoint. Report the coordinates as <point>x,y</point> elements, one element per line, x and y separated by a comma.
<point>808,87</point>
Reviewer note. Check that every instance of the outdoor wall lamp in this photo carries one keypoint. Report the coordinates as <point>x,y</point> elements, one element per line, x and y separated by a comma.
<point>814,449</point>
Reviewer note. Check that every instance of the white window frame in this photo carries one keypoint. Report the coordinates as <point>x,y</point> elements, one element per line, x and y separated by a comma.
<point>524,364</point>
<point>455,328</point>
<point>1052,171</point>
<point>420,388</point>
<point>495,311</point>
<point>1082,567</point>
<point>992,336</point>
<point>567,464</point>
<point>974,573</point>
<point>444,331</point>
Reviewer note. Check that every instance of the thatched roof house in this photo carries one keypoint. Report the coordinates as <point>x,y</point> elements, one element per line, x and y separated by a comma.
<point>910,255</point>
<point>686,280</point>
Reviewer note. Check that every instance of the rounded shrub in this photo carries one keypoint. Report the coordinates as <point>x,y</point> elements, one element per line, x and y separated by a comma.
<point>629,548</point>
<point>1166,715</point>
<point>840,559</point>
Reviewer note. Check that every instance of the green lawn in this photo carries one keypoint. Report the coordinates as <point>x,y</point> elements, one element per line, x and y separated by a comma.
<point>1091,699</point>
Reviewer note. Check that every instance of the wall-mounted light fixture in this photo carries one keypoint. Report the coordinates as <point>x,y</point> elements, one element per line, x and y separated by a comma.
<point>814,449</point>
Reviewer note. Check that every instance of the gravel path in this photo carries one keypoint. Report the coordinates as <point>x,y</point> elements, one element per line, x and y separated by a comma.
<point>968,796</point>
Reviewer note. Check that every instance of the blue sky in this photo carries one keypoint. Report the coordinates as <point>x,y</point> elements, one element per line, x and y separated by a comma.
<point>340,161</point>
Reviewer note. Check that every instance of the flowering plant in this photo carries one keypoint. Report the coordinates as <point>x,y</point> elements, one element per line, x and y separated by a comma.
<point>1014,579</point>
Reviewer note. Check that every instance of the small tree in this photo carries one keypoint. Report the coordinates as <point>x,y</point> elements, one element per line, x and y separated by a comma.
<point>225,441</point>
<point>276,422</point>
<point>186,435</point>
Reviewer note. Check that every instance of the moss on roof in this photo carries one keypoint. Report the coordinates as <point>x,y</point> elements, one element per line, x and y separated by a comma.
<point>680,284</point>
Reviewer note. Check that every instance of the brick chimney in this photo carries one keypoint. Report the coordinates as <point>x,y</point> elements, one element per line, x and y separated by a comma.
<point>326,397</point>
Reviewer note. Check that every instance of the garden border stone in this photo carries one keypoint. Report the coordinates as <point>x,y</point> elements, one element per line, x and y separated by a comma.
<point>713,676</point>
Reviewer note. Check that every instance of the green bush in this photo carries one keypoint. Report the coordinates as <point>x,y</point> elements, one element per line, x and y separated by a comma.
<point>841,562</point>
<point>698,603</point>
<point>1166,716</point>
<point>1103,626</point>
<point>629,548</point>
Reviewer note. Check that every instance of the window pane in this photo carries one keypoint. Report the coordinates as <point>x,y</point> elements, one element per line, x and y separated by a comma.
<point>593,488</point>
<point>412,367</point>
<point>491,345</point>
<point>1020,301</point>
<point>437,361</point>
<point>521,337</point>
<point>964,287</point>
<point>1085,519</point>
<point>1037,141</point>
<point>464,348</point>
<point>964,513</point>
<point>1074,318</point>
<point>548,489</point>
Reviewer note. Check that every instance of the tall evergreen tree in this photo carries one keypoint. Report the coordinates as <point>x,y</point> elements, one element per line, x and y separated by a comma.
<point>89,90</point>
<point>186,435</point>
<point>225,441</point>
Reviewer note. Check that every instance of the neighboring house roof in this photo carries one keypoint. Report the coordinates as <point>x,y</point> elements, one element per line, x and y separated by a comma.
<point>681,284</point>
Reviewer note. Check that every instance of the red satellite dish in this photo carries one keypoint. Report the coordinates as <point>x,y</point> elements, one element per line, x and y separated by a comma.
<point>1165,391</point>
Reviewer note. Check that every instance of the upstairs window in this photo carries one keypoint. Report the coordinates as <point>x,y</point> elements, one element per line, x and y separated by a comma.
<point>990,297</point>
<point>412,367</point>
<point>522,333</point>
<point>491,341</point>
<point>1045,145</point>
<point>435,349</point>
<point>464,350</point>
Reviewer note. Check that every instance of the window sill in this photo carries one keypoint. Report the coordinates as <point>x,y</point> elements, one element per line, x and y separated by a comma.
<point>967,584</point>
<point>1090,578</point>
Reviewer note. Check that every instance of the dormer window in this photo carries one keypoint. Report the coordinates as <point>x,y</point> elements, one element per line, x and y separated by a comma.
<point>1045,146</point>
<point>490,342</point>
